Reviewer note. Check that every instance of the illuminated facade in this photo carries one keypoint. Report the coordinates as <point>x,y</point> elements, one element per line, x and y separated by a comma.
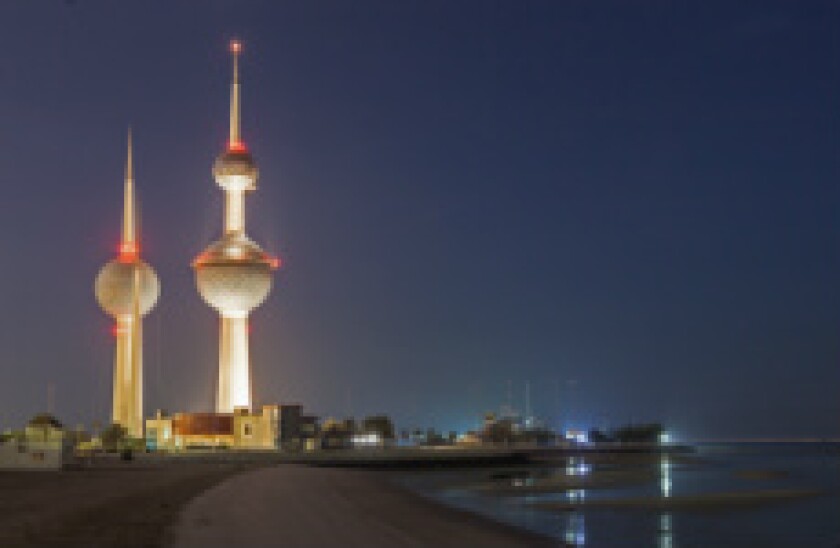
<point>238,430</point>
<point>233,274</point>
<point>127,289</point>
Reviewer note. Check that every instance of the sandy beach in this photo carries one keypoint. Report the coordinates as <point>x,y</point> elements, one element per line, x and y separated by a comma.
<point>194,503</point>
<point>109,504</point>
<point>303,506</point>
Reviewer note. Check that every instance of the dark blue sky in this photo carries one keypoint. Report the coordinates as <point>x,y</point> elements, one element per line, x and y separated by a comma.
<point>636,209</point>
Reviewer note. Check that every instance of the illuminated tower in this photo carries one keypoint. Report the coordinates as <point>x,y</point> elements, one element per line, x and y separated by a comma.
<point>127,289</point>
<point>233,274</point>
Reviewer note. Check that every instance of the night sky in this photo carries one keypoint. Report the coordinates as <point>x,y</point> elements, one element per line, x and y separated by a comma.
<point>636,210</point>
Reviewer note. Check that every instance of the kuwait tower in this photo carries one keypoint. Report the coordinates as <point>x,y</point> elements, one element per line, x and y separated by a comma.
<point>127,289</point>
<point>233,274</point>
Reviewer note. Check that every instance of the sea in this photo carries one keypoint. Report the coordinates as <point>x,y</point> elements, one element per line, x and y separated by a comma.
<point>811,521</point>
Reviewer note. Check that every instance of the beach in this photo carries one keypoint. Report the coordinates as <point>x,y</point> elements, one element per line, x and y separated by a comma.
<point>300,506</point>
<point>203,503</point>
<point>108,504</point>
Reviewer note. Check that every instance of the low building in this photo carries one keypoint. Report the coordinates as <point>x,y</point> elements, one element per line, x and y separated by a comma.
<point>43,446</point>
<point>337,434</point>
<point>238,430</point>
<point>44,428</point>
<point>290,425</point>
<point>309,432</point>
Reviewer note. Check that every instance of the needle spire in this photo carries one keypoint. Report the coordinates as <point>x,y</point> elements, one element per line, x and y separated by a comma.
<point>235,141</point>
<point>129,226</point>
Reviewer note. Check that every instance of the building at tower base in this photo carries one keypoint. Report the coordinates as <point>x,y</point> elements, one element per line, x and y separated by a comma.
<point>241,429</point>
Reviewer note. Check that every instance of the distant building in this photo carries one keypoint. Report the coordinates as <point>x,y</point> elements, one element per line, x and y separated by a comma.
<point>468,438</point>
<point>576,436</point>
<point>44,428</point>
<point>336,434</point>
<point>297,431</point>
<point>238,430</point>
<point>290,424</point>
<point>43,446</point>
<point>309,432</point>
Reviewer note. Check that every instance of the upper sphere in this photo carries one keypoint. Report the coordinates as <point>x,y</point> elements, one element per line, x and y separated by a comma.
<point>115,287</point>
<point>235,170</point>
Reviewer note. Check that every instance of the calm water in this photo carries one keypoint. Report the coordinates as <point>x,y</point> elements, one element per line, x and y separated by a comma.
<point>807,522</point>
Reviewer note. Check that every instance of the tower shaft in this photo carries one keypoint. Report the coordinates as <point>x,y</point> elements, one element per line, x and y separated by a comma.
<point>234,211</point>
<point>127,409</point>
<point>234,365</point>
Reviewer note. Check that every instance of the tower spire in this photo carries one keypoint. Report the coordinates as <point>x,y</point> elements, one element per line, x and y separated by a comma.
<point>128,245</point>
<point>235,140</point>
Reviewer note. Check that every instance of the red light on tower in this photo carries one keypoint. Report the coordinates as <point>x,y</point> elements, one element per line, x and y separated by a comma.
<point>235,47</point>
<point>236,146</point>
<point>127,252</point>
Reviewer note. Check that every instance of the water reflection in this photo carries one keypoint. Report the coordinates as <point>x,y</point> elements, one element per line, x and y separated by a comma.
<point>575,529</point>
<point>576,466</point>
<point>575,533</point>
<point>665,535</point>
<point>665,475</point>
<point>576,495</point>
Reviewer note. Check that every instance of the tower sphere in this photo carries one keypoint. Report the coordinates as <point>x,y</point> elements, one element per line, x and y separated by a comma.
<point>235,169</point>
<point>234,274</point>
<point>115,287</point>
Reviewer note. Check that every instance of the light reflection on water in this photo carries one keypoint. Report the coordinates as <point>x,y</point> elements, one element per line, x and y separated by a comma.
<point>666,535</point>
<point>665,476</point>
<point>719,470</point>
<point>575,533</point>
<point>576,466</point>
<point>575,524</point>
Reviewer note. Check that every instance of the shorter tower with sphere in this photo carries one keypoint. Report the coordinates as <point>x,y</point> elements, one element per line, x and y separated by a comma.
<point>127,289</point>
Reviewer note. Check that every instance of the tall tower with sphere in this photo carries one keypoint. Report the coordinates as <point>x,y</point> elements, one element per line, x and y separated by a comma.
<point>234,274</point>
<point>127,289</point>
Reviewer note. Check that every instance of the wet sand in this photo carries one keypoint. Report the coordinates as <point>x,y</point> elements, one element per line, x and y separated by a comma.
<point>110,504</point>
<point>290,505</point>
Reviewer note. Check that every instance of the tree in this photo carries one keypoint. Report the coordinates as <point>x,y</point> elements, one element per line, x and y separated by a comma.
<point>379,424</point>
<point>498,431</point>
<point>598,436</point>
<point>113,437</point>
<point>638,433</point>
